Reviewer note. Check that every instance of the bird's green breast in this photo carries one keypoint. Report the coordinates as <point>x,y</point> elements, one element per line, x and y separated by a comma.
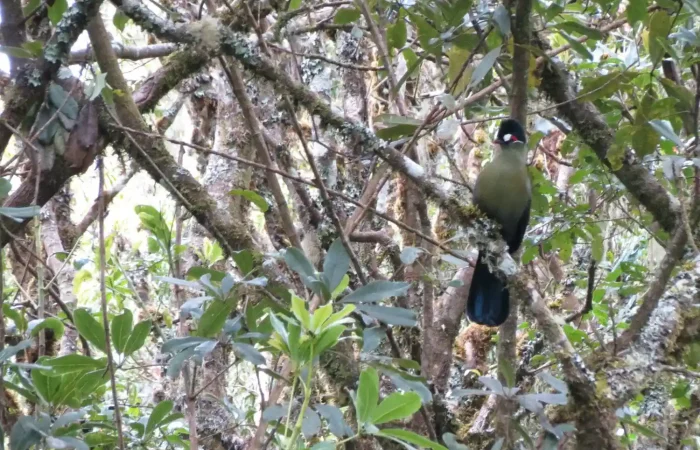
<point>502,190</point>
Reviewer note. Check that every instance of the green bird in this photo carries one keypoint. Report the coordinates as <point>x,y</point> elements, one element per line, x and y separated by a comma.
<point>503,192</point>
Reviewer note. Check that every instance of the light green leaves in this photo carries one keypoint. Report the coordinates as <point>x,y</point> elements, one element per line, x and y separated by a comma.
<point>345,16</point>
<point>90,329</point>
<point>255,198</point>
<point>121,330</point>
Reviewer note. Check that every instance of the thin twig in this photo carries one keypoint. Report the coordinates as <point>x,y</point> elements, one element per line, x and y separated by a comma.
<point>103,300</point>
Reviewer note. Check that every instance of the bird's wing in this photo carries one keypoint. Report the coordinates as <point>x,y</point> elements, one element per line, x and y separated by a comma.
<point>517,238</point>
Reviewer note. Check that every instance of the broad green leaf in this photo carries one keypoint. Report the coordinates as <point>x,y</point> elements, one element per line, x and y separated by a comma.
<point>458,56</point>
<point>390,315</point>
<point>16,52</point>
<point>35,326</point>
<point>56,11</point>
<point>659,28</point>
<point>249,353</point>
<point>451,441</point>
<point>25,434</point>
<point>345,16</point>
<point>396,126</point>
<point>367,394</point>
<point>395,407</point>
<point>12,350</point>
<point>36,48</point>
<point>255,198</point>
<point>637,11</point>
<point>300,312</point>
<point>328,339</point>
<point>410,437</point>
<point>501,17</point>
<point>336,264</point>
<point>16,316</point>
<point>90,328</point>
<point>73,363</point>
<point>642,429</point>
<point>320,316</point>
<point>572,26</point>
<point>335,420</point>
<point>376,291</point>
<point>397,33</point>
<point>484,66</point>
<point>159,413</point>
<point>297,261</point>
<point>410,254</point>
<point>121,330</point>
<point>212,321</point>
<point>576,45</point>
<point>138,337</point>
<point>664,128</point>
<point>120,20</point>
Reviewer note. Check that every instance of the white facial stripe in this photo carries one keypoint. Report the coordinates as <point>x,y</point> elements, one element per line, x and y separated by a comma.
<point>507,137</point>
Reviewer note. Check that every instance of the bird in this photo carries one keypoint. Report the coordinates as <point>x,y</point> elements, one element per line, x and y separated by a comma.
<point>503,192</point>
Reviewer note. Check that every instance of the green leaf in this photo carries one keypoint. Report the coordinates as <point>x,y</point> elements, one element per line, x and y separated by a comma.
<point>485,66</point>
<point>121,330</point>
<point>212,321</point>
<point>664,128</point>
<point>345,16</point>
<point>637,11</point>
<point>16,52</point>
<point>98,86</point>
<point>410,254</point>
<point>336,264</point>
<point>255,198</point>
<point>25,434</point>
<point>576,45</point>
<point>376,291</point>
<point>90,328</point>
<point>138,337</point>
<point>451,441</point>
<point>659,28</point>
<point>410,437</point>
<point>367,394</point>
<point>120,20</point>
<point>73,363</point>
<point>397,34</point>
<point>390,315</point>
<point>56,11</point>
<point>396,126</point>
<point>395,407</point>
<point>605,85</point>
<point>576,27</point>
<point>12,350</point>
<point>36,48</point>
<point>296,260</point>
<point>294,4</point>
<point>35,326</point>
<point>642,429</point>
<point>501,17</point>
<point>249,353</point>
<point>597,248</point>
<point>159,413</point>
<point>300,312</point>
<point>20,213</point>
<point>328,339</point>
<point>336,423</point>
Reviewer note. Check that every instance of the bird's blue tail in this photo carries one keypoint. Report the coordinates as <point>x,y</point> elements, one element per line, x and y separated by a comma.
<point>488,302</point>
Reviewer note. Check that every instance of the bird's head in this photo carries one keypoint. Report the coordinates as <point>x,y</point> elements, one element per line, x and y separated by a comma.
<point>510,132</point>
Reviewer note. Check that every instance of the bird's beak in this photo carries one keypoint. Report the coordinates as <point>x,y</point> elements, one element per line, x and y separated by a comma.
<point>497,141</point>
